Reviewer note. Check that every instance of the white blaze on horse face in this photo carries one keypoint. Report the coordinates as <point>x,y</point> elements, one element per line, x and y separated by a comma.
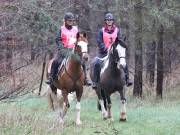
<point>84,46</point>
<point>122,54</point>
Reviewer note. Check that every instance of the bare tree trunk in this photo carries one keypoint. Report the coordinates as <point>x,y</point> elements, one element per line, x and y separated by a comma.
<point>159,87</point>
<point>137,91</point>
<point>82,13</point>
<point>150,62</point>
<point>9,54</point>
<point>125,24</point>
<point>177,30</point>
<point>176,39</point>
<point>32,52</point>
<point>167,58</point>
<point>150,57</point>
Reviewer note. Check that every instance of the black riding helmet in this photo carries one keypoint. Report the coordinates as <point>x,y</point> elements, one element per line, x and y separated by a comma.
<point>68,16</point>
<point>108,16</point>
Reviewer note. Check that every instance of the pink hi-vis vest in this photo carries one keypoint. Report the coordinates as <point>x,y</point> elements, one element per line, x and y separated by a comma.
<point>109,38</point>
<point>68,37</point>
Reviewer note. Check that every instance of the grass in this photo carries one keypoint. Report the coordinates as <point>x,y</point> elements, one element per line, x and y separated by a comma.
<point>30,115</point>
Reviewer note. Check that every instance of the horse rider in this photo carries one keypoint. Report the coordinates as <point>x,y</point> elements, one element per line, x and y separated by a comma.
<point>106,37</point>
<point>65,41</point>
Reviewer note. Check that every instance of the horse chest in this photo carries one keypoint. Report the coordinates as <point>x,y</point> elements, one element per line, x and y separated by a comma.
<point>110,74</point>
<point>111,80</point>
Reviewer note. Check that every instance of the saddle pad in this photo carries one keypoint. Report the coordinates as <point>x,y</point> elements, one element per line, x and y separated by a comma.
<point>102,60</point>
<point>62,65</point>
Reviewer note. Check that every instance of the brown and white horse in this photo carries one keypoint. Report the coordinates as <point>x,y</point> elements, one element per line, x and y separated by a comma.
<point>70,79</point>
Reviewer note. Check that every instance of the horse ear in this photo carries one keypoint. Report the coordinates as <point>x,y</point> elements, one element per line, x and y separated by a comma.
<point>77,35</point>
<point>117,40</point>
<point>84,34</point>
<point>124,37</point>
<point>111,48</point>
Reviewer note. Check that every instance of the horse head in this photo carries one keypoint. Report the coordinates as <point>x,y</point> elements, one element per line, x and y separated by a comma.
<point>81,46</point>
<point>117,53</point>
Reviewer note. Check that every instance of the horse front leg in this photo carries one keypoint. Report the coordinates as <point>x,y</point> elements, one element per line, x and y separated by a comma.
<point>109,107</point>
<point>66,103</point>
<point>50,98</point>
<point>101,102</point>
<point>55,102</point>
<point>123,107</point>
<point>60,103</point>
<point>78,106</point>
<point>63,106</point>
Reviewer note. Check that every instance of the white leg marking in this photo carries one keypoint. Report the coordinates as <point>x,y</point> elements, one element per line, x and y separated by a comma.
<point>59,113</point>
<point>78,108</point>
<point>104,112</point>
<point>123,110</point>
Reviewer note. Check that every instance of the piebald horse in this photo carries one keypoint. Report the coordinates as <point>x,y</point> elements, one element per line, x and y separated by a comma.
<point>112,79</point>
<point>70,79</point>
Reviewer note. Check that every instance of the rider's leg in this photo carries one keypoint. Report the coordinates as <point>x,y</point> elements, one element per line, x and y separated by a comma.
<point>128,81</point>
<point>97,69</point>
<point>86,80</point>
<point>54,68</point>
<point>53,72</point>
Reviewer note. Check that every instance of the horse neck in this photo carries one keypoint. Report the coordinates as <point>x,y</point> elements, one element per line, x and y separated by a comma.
<point>113,66</point>
<point>112,63</point>
<point>74,64</point>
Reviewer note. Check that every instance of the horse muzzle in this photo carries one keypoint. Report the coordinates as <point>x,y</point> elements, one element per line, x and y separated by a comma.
<point>121,62</point>
<point>85,57</point>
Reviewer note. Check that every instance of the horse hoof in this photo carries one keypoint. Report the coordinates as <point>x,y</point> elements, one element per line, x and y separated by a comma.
<point>104,118</point>
<point>78,122</point>
<point>111,119</point>
<point>104,114</point>
<point>61,120</point>
<point>122,119</point>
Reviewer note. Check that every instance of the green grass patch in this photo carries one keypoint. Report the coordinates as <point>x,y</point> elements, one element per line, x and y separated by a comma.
<point>30,115</point>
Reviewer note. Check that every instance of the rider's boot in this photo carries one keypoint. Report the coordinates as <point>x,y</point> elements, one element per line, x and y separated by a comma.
<point>128,81</point>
